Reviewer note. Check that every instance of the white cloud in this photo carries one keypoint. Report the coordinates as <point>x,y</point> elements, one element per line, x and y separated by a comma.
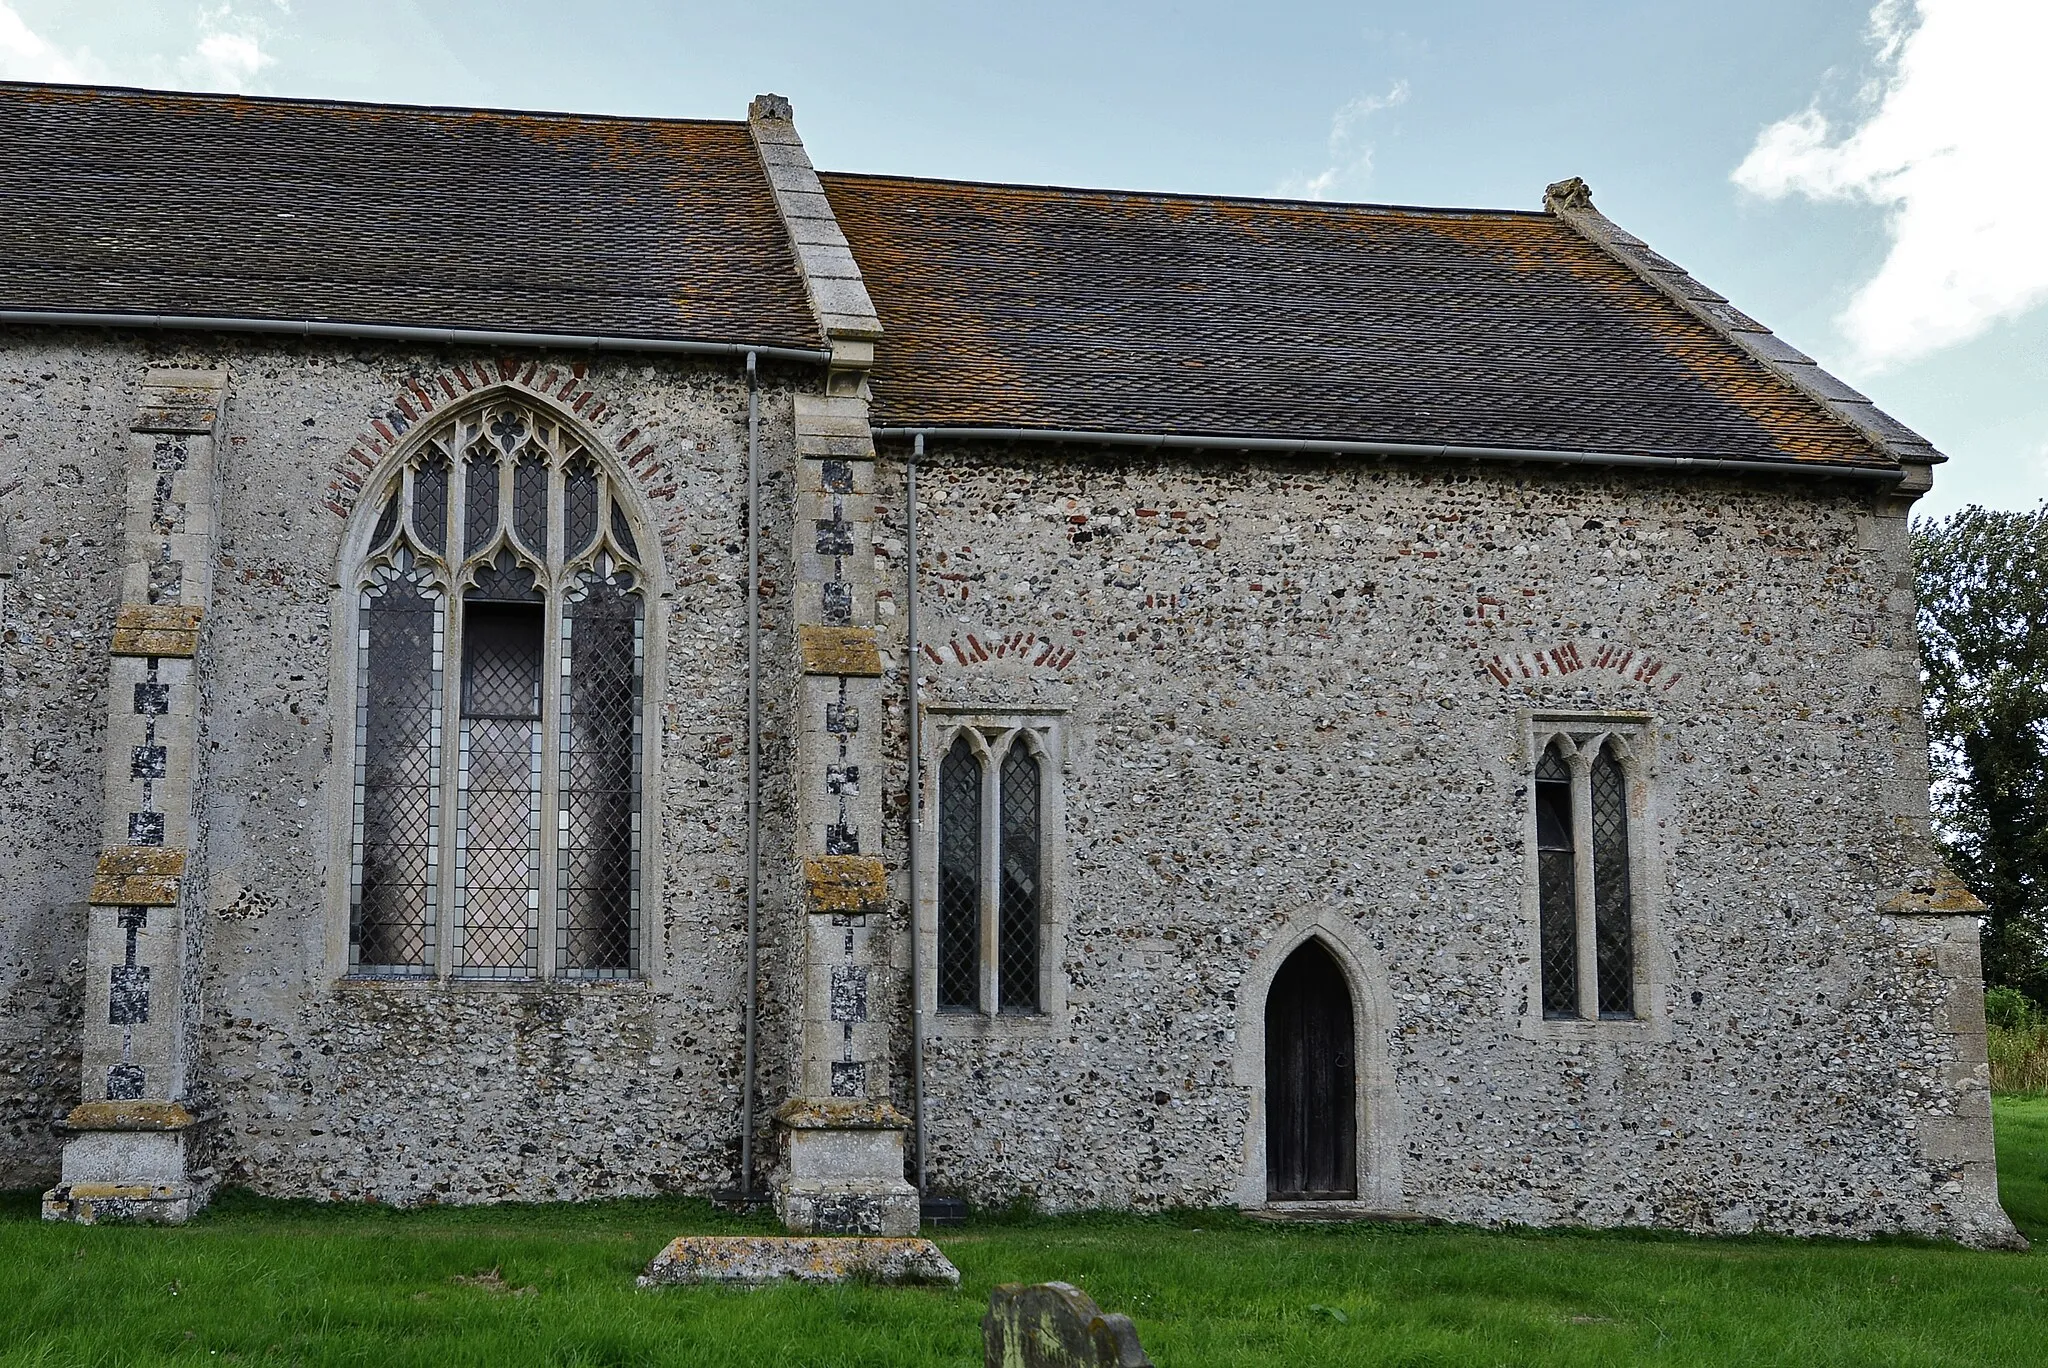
<point>26,56</point>
<point>1350,156</point>
<point>227,61</point>
<point>1949,141</point>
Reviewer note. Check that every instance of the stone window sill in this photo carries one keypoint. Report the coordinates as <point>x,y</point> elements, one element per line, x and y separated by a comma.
<point>1601,1029</point>
<point>957,1024</point>
<point>426,983</point>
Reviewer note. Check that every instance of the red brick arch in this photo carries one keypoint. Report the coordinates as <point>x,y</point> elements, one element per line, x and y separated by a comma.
<point>564,386</point>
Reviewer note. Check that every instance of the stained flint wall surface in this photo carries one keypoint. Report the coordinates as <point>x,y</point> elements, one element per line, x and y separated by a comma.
<point>1297,693</point>
<point>63,448</point>
<point>401,1094</point>
<point>1294,698</point>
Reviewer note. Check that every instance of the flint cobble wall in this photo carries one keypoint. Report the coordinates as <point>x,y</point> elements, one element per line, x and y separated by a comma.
<point>1293,693</point>
<point>350,1090</point>
<point>63,445</point>
<point>1297,691</point>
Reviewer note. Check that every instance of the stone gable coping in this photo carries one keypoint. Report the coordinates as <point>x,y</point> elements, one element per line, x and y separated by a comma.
<point>832,280</point>
<point>1571,201</point>
<point>565,386</point>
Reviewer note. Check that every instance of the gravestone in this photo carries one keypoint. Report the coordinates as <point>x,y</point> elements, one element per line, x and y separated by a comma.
<point>1054,1325</point>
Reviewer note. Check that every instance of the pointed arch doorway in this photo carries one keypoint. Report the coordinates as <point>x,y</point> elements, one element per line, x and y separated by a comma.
<point>1311,1081</point>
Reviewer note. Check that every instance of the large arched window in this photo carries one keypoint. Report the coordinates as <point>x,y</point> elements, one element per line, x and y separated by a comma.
<point>500,669</point>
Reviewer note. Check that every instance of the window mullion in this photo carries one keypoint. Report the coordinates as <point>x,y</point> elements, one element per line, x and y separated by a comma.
<point>554,662</point>
<point>451,711</point>
<point>1582,864</point>
<point>991,877</point>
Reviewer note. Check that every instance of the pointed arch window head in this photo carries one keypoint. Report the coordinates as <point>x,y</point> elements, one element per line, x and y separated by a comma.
<point>1583,858</point>
<point>511,603</point>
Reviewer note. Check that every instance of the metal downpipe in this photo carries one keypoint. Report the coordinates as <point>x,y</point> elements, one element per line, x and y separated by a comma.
<point>753,774</point>
<point>916,814</point>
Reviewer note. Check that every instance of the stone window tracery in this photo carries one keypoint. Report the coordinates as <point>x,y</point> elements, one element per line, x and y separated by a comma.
<point>991,895</point>
<point>500,699</point>
<point>1587,935</point>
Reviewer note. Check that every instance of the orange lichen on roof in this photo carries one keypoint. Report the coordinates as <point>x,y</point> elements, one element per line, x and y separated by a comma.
<point>1051,308</point>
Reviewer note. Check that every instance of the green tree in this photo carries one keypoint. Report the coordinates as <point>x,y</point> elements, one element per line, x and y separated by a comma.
<point>1983,588</point>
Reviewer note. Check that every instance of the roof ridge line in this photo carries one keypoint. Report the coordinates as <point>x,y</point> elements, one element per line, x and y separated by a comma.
<point>1571,203</point>
<point>1192,196</point>
<point>327,102</point>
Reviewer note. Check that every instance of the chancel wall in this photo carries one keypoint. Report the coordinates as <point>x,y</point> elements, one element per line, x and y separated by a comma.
<point>1295,697</point>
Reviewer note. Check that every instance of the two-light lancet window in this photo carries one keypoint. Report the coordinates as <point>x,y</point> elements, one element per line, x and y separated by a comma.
<point>993,822</point>
<point>1588,934</point>
<point>500,635</point>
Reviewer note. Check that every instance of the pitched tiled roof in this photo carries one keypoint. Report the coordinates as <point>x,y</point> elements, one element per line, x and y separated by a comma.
<point>145,202</point>
<point>1037,307</point>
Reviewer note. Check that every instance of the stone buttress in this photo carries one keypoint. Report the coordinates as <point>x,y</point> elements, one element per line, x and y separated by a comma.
<point>128,1152</point>
<point>845,1140</point>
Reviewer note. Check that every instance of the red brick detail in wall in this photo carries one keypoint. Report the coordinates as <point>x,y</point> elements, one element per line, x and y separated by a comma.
<point>557,386</point>
<point>968,648</point>
<point>1554,662</point>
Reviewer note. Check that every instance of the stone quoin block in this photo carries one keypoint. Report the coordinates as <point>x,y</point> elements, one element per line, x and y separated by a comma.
<point>138,876</point>
<point>852,651</point>
<point>845,883</point>
<point>157,629</point>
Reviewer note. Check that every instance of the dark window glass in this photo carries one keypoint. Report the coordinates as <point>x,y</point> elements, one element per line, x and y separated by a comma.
<point>480,493</point>
<point>1017,929</point>
<point>600,781</point>
<point>430,500</point>
<point>959,967</point>
<point>393,915</point>
<point>530,501</point>
<point>579,506</point>
<point>1613,934</point>
<point>387,521</point>
<point>499,790</point>
<point>1557,886</point>
<point>505,579</point>
<point>621,533</point>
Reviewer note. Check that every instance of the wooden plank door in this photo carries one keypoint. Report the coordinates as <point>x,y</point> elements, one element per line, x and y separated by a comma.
<point>1311,1081</point>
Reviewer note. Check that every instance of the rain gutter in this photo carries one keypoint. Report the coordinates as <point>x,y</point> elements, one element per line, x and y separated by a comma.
<point>1425,450</point>
<point>392,332</point>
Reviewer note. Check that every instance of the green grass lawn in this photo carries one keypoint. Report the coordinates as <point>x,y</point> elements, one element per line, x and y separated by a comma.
<point>268,1282</point>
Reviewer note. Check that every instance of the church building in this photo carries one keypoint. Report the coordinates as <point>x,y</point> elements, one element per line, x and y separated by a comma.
<point>548,657</point>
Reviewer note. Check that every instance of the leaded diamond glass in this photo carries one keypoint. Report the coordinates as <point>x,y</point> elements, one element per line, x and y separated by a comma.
<point>530,501</point>
<point>1017,916</point>
<point>1557,886</point>
<point>480,499</point>
<point>579,506</point>
<point>430,500</point>
<point>598,877</point>
<point>498,822</point>
<point>398,743</point>
<point>959,967</point>
<point>1613,929</point>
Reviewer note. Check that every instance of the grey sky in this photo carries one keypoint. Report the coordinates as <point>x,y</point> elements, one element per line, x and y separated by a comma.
<point>1881,221</point>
